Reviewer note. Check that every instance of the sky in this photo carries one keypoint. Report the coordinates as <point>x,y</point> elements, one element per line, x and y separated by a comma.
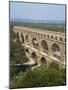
<point>37,11</point>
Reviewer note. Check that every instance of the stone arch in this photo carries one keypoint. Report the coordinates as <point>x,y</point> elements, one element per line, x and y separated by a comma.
<point>44,45</point>
<point>60,38</point>
<point>44,35</point>
<point>35,42</point>
<point>56,38</point>
<point>27,52</point>
<point>22,38</point>
<point>56,51</point>
<point>27,38</point>
<point>41,34</point>
<point>55,47</point>
<point>47,36</point>
<point>52,37</point>
<point>34,56</point>
<point>43,61</point>
<point>17,35</point>
<point>38,34</point>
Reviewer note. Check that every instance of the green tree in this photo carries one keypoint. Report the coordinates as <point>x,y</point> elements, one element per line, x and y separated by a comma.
<point>17,51</point>
<point>39,77</point>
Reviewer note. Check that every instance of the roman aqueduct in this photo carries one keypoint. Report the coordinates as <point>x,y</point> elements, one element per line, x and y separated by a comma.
<point>42,46</point>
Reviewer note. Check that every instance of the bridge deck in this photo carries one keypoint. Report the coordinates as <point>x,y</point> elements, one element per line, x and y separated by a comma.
<point>37,30</point>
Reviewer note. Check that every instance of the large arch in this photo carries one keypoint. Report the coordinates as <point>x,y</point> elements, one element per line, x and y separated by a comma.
<point>56,51</point>
<point>34,56</point>
<point>43,61</point>
<point>35,42</point>
<point>22,38</point>
<point>55,47</point>
<point>44,45</point>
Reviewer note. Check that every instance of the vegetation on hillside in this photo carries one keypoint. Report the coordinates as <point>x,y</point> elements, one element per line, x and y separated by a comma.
<point>39,77</point>
<point>44,26</point>
<point>17,53</point>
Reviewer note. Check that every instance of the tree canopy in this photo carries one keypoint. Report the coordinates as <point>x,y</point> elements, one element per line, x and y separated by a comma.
<point>17,51</point>
<point>40,77</point>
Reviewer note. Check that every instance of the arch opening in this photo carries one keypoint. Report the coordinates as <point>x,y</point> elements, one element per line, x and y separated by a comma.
<point>17,35</point>
<point>60,38</point>
<point>22,38</point>
<point>27,50</point>
<point>35,42</point>
<point>34,56</point>
<point>56,51</point>
<point>43,61</point>
<point>51,37</point>
<point>55,47</point>
<point>44,46</point>
<point>27,39</point>
<point>55,38</point>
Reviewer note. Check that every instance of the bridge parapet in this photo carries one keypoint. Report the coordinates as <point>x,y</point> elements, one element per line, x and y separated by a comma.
<point>57,36</point>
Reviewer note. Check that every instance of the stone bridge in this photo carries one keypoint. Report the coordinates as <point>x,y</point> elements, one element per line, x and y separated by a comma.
<point>42,46</point>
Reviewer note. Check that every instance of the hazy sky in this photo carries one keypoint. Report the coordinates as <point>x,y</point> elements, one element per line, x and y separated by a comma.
<point>37,11</point>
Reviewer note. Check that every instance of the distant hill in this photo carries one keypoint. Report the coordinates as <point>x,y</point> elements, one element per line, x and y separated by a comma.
<point>38,21</point>
<point>58,27</point>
